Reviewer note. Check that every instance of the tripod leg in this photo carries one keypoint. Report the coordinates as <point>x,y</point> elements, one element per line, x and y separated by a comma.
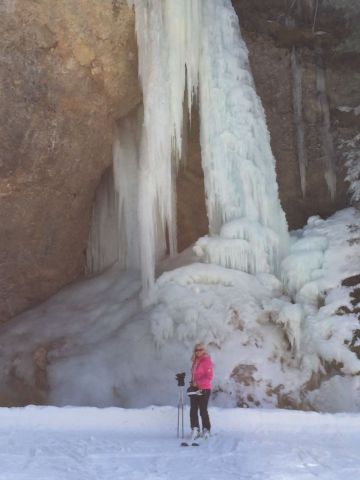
<point>178,421</point>
<point>182,412</point>
<point>182,419</point>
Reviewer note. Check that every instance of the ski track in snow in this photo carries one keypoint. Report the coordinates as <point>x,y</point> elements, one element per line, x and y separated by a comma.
<point>47,443</point>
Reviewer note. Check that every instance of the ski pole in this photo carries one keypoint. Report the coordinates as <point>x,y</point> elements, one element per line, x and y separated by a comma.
<point>180,418</point>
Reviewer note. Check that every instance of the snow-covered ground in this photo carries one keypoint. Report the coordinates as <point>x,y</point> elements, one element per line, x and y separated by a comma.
<point>49,443</point>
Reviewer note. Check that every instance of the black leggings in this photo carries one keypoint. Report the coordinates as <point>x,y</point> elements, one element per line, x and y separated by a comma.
<point>200,402</point>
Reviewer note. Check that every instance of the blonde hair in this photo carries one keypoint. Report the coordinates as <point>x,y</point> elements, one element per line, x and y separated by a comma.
<point>197,345</point>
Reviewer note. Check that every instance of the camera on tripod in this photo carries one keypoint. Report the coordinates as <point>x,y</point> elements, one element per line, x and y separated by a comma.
<point>180,377</point>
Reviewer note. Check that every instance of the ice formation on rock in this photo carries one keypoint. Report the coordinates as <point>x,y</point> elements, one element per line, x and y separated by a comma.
<point>298,116</point>
<point>126,174</point>
<point>196,46</point>
<point>351,153</point>
<point>114,234</point>
<point>238,164</point>
<point>329,156</point>
<point>168,34</point>
<point>103,242</point>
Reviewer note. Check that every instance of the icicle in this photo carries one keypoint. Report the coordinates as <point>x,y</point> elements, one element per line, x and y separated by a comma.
<point>233,253</point>
<point>114,230</point>
<point>327,139</point>
<point>351,152</point>
<point>102,250</point>
<point>168,34</point>
<point>242,244</point>
<point>126,180</point>
<point>298,117</point>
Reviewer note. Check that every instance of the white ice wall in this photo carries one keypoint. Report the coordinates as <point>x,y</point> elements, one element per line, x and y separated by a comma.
<point>197,44</point>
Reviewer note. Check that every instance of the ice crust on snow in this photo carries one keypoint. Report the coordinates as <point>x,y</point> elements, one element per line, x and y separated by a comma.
<point>301,268</point>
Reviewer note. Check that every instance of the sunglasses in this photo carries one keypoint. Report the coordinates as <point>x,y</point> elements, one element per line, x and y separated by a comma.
<point>199,350</point>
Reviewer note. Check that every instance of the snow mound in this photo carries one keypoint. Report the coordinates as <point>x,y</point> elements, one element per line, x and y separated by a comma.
<point>94,344</point>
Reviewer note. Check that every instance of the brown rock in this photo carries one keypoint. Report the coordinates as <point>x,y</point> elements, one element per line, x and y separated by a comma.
<point>192,220</point>
<point>68,70</point>
<point>270,43</point>
<point>351,281</point>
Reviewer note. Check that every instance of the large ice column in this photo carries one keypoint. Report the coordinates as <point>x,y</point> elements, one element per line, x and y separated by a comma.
<point>103,242</point>
<point>238,164</point>
<point>197,45</point>
<point>168,37</point>
<point>114,233</point>
<point>126,182</point>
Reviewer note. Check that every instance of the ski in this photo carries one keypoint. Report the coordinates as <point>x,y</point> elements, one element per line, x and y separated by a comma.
<point>193,444</point>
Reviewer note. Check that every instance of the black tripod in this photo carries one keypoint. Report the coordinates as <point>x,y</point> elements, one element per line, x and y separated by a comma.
<point>180,377</point>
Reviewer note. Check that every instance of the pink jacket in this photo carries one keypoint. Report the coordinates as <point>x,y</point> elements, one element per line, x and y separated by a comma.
<point>202,372</point>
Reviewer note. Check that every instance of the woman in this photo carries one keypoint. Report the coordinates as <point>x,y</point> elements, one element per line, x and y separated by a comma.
<point>201,377</point>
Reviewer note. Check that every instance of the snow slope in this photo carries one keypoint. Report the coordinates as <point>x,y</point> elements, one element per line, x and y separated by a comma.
<point>270,346</point>
<point>49,443</point>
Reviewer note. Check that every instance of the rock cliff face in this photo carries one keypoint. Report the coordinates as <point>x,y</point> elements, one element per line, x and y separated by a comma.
<point>68,70</point>
<point>325,39</point>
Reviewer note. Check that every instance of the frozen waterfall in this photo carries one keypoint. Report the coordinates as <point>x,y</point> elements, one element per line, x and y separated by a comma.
<point>195,46</point>
<point>238,164</point>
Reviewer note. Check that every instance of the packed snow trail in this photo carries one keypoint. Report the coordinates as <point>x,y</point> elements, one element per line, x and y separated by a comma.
<point>102,444</point>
